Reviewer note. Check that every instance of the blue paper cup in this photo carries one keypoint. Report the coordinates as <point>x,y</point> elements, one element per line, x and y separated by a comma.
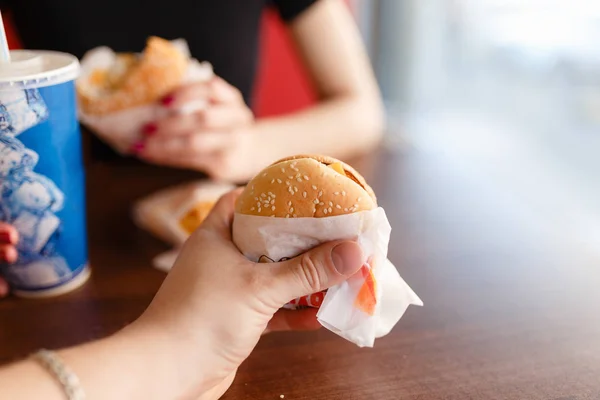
<point>42,179</point>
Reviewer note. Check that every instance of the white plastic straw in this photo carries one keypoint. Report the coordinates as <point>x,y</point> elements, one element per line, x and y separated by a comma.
<point>4,52</point>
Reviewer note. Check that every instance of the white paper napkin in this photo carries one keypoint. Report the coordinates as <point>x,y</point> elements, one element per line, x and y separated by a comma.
<point>278,238</point>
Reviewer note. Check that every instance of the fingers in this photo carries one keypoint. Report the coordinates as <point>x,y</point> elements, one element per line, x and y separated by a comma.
<point>222,92</point>
<point>216,91</point>
<point>217,117</point>
<point>171,150</point>
<point>220,218</point>
<point>8,234</point>
<point>294,320</point>
<point>8,253</point>
<point>4,289</point>
<point>316,270</point>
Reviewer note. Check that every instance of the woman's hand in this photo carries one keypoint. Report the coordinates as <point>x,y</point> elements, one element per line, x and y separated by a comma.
<point>8,253</point>
<point>216,139</point>
<point>215,304</point>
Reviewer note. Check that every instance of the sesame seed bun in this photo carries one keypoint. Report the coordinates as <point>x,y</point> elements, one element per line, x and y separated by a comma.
<point>133,81</point>
<point>306,186</point>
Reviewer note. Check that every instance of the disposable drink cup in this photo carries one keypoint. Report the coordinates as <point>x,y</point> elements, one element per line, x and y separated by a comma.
<point>42,179</point>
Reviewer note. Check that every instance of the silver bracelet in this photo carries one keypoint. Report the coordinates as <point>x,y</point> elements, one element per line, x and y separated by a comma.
<point>68,380</point>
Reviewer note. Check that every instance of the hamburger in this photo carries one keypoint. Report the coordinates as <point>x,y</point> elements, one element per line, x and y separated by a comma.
<point>133,80</point>
<point>306,186</point>
<point>312,186</point>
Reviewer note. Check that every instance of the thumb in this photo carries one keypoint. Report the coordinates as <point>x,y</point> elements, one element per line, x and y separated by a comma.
<point>316,270</point>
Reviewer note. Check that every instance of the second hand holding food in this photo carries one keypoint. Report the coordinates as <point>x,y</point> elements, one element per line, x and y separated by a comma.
<point>216,139</point>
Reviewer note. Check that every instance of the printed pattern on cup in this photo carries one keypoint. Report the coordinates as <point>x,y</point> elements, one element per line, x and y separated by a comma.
<point>29,200</point>
<point>21,110</point>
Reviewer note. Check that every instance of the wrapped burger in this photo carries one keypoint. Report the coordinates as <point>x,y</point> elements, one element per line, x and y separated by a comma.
<point>119,92</point>
<point>172,214</point>
<point>299,202</point>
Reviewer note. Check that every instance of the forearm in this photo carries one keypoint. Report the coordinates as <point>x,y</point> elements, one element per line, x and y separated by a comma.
<point>340,127</point>
<point>124,366</point>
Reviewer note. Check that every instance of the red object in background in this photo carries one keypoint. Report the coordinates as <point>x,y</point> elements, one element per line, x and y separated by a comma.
<point>281,86</point>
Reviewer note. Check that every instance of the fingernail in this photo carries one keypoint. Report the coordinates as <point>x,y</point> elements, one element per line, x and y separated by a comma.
<point>5,237</point>
<point>149,129</point>
<point>168,100</point>
<point>137,147</point>
<point>347,257</point>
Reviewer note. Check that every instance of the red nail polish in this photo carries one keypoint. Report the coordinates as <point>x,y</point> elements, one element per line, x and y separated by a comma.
<point>149,129</point>
<point>137,147</point>
<point>168,100</point>
<point>5,237</point>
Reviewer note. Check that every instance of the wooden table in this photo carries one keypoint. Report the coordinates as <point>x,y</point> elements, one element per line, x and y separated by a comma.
<point>511,311</point>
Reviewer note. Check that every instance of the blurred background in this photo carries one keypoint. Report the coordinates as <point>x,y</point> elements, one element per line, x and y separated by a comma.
<point>505,92</point>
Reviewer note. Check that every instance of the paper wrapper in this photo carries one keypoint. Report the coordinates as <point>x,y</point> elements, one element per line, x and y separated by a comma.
<point>366,306</point>
<point>122,129</point>
<point>164,213</point>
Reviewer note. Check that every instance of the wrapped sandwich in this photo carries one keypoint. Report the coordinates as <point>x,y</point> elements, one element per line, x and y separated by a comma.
<point>119,92</point>
<point>174,213</point>
<point>302,201</point>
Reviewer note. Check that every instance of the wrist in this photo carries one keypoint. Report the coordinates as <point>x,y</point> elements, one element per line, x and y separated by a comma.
<point>167,356</point>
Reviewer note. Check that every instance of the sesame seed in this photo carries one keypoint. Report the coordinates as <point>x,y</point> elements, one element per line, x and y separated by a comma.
<point>304,194</point>
<point>331,203</point>
<point>252,209</point>
<point>316,201</point>
<point>265,174</point>
<point>272,180</point>
<point>298,175</point>
<point>324,211</point>
<point>287,183</point>
<point>290,190</point>
<point>273,208</point>
<point>345,209</point>
<point>291,177</point>
<point>273,195</point>
<point>270,194</point>
<point>279,180</point>
<point>358,199</point>
<point>343,192</point>
<point>256,198</point>
<point>263,195</point>
<point>306,177</point>
<point>299,179</point>
<point>291,209</point>
<point>259,209</point>
<point>321,204</point>
<point>336,193</point>
<point>320,193</point>
<point>272,201</point>
<point>287,215</point>
<point>314,187</point>
<point>356,206</point>
<point>283,170</point>
<point>289,203</point>
<point>330,209</point>
<point>338,206</point>
<point>272,215</point>
<point>258,203</point>
<point>295,189</point>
